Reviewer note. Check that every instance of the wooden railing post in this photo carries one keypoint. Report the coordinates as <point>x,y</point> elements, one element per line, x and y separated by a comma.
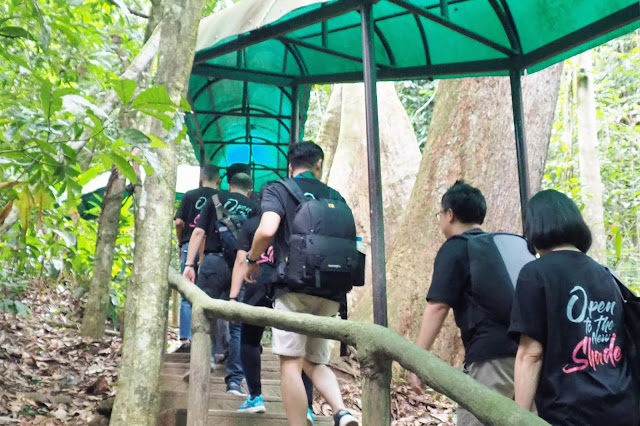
<point>199,368</point>
<point>376,388</point>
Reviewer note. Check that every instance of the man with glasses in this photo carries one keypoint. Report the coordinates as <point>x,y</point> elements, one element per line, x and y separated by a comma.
<point>489,352</point>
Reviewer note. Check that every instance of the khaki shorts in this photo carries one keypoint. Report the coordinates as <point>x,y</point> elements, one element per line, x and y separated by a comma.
<point>496,374</point>
<point>287,343</point>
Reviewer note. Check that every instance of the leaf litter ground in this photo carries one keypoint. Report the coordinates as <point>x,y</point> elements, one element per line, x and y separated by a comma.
<point>49,375</point>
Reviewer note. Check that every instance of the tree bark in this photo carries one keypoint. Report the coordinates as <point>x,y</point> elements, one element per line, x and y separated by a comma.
<point>344,127</point>
<point>589,158</point>
<point>95,312</point>
<point>147,293</point>
<point>12,215</point>
<point>471,137</point>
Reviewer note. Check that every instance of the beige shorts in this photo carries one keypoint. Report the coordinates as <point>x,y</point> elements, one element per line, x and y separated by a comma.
<point>496,374</point>
<point>287,343</point>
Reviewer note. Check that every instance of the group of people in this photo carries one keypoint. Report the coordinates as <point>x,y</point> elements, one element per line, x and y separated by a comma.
<point>262,243</point>
<point>545,330</point>
<point>556,343</point>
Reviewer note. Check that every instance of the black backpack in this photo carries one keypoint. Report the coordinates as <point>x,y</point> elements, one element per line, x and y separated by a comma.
<point>322,246</point>
<point>495,261</point>
<point>227,226</point>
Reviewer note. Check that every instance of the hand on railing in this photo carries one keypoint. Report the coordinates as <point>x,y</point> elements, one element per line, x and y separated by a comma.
<point>189,273</point>
<point>415,383</point>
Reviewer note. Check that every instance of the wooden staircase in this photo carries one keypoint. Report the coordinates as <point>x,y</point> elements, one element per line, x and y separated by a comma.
<point>174,386</point>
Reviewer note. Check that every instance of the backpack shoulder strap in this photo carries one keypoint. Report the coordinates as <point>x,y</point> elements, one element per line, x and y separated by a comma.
<point>221,211</point>
<point>294,189</point>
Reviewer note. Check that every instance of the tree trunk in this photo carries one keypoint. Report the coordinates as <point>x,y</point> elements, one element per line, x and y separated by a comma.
<point>11,214</point>
<point>589,158</point>
<point>329,132</point>
<point>95,312</point>
<point>137,400</point>
<point>471,137</point>
<point>400,157</point>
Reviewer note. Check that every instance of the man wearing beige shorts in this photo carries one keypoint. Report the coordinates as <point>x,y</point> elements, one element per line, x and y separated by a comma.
<point>298,352</point>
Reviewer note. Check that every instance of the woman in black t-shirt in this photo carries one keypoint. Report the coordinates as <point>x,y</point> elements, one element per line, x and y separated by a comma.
<point>567,315</point>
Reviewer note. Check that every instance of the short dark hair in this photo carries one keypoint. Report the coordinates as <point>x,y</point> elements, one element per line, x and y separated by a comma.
<point>466,202</point>
<point>236,168</point>
<point>552,219</point>
<point>305,154</point>
<point>209,172</point>
<point>242,181</point>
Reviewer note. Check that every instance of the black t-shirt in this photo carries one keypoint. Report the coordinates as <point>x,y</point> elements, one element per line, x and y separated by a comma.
<point>276,198</point>
<point>483,337</point>
<point>572,306</point>
<point>236,203</point>
<point>192,203</point>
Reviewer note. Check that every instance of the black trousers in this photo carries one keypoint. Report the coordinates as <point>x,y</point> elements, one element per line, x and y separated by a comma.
<point>251,349</point>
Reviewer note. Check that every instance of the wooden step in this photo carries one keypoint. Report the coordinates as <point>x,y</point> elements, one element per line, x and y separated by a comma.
<point>181,357</point>
<point>227,418</point>
<point>180,369</point>
<point>171,399</point>
<point>270,388</point>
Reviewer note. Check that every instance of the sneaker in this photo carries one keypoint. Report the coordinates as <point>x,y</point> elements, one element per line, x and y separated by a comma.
<point>235,389</point>
<point>255,405</point>
<point>184,348</point>
<point>310,419</point>
<point>345,418</point>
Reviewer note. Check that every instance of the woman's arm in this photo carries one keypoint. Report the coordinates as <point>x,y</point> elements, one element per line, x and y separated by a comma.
<point>527,371</point>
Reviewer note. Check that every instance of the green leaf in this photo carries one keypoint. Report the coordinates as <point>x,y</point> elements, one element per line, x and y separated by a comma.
<point>155,98</point>
<point>45,96</point>
<point>124,166</point>
<point>15,32</point>
<point>20,308</point>
<point>167,122</point>
<point>184,104</point>
<point>156,142</point>
<point>125,89</point>
<point>136,137</point>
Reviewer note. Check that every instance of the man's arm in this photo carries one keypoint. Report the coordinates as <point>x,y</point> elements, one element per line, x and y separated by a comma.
<point>179,228</point>
<point>194,246</point>
<point>527,371</point>
<point>269,223</point>
<point>237,276</point>
<point>432,320</point>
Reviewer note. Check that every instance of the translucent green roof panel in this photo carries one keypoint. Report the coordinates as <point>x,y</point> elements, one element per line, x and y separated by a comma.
<point>413,38</point>
<point>251,56</point>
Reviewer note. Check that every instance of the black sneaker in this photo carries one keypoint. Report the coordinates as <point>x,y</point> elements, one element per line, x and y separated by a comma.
<point>184,348</point>
<point>345,418</point>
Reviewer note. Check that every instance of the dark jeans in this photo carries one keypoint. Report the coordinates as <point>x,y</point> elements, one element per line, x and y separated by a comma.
<point>185,306</point>
<point>252,349</point>
<point>214,278</point>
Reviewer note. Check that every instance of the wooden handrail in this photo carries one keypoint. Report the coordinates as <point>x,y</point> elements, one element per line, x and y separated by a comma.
<point>377,346</point>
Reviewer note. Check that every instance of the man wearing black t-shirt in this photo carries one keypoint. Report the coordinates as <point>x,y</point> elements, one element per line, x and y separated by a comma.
<point>489,352</point>
<point>186,217</point>
<point>214,275</point>
<point>298,352</point>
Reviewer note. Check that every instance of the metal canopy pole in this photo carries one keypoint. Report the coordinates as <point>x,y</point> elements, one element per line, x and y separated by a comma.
<point>521,142</point>
<point>294,135</point>
<point>375,175</point>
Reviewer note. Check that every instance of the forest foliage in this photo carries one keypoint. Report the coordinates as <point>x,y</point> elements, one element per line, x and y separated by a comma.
<point>60,59</point>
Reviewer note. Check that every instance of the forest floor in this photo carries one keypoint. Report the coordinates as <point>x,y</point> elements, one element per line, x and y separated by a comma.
<point>49,375</point>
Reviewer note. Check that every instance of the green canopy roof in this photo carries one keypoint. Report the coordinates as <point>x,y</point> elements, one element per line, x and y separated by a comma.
<point>253,59</point>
